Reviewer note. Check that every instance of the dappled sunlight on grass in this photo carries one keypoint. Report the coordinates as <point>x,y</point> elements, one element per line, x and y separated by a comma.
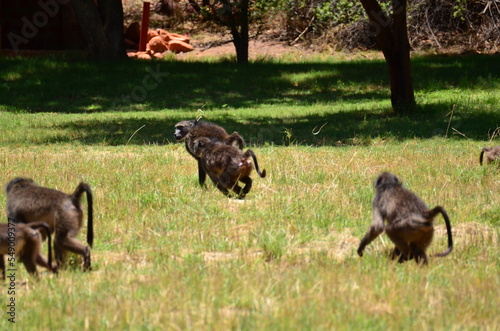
<point>169,254</point>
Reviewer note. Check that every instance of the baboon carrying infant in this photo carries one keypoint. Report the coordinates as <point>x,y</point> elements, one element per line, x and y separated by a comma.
<point>190,130</point>
<point>492,155</point>
<point>25,240</point>
<point>28,203</point>
<point>227,165</point>
<point>409,220</point>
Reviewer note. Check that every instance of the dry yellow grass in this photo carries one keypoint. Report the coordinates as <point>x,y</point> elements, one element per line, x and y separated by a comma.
<point>170,255</point>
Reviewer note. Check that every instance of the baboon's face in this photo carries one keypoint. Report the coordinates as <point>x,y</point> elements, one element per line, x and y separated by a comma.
<point>182,129</point>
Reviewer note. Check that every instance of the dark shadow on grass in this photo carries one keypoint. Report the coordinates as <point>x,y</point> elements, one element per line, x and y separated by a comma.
<point>343,128</point>
<point>46,86</point>
<point>62,86</point>
<point>52,85</point>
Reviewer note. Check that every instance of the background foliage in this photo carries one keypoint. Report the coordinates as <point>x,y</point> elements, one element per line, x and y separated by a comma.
<point>342,24</point>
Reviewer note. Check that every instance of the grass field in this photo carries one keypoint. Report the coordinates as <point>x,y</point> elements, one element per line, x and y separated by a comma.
<point>169,255</point>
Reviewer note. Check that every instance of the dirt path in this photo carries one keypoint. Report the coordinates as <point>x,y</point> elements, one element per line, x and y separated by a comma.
<point>256,48</point>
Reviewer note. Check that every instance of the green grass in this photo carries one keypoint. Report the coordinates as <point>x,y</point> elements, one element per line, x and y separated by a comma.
<point>170,255</point>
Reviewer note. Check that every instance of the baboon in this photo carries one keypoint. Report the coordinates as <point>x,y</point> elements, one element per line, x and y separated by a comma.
<point>409,220</point>
<point>25,240</point>
<point>492,154</point>
<point>226,165</point>
<point>27,202</point>
<point>190,130</point>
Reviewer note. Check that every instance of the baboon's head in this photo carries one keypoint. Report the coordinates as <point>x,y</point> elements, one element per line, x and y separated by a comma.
<point>199,145</point>
<point>183,128</point>
<point>18,183</point>
<point>386,179</point>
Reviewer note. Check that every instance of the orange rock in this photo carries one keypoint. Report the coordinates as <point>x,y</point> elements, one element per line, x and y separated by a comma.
<point>164,34</point>
<point>178,46</point>
<point>131,54</point>
<point>157,45</point>
<point>143,56</point>
<point>179,37</point>
<point>152,33</point>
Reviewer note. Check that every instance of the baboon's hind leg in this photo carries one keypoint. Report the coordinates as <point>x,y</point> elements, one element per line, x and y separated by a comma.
<point>75,246</point>
<point>248,185</point>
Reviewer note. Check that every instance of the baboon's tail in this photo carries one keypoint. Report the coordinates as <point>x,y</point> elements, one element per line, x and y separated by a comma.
<point>45,226</point>
<point>252,154</point>
<point>83,187</point>
<point>441,210</point>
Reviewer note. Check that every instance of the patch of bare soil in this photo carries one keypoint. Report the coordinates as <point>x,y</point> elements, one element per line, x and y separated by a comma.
<point>467,234</point>
<point>341,245</point>
<point>216,46</point>
<point>337,246</point>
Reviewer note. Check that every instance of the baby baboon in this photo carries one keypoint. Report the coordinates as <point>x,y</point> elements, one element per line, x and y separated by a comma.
<point>25,240</point>
<point>28,202</point>
<point>190,130</point>
<point>226,165</point>
<point>492,154</point>
<point>409,221</point>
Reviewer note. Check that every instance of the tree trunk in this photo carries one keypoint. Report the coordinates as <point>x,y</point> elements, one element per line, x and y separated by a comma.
<point>102,25</point>
<point>242,55</point>
<point>239,18</point>
<point>394,43</point>
<point>402,96</point>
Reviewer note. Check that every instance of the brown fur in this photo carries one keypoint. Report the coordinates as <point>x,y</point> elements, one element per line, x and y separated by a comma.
<point>26,240</point>
<point>227,165</point>
<point>409,220</point>
<point>28,202</point>
<point>492,155</point>
<point>190,130</point>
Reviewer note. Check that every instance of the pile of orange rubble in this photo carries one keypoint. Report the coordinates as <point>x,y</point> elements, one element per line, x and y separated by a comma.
<point>161,41</point>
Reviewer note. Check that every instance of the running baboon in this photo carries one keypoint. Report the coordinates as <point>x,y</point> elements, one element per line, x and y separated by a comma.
<point>190,130</point>
<point>28,202</point>
<point>409,220</point>
<point>492,154</point>
<point>25,241</point>
<point>226,165</point>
